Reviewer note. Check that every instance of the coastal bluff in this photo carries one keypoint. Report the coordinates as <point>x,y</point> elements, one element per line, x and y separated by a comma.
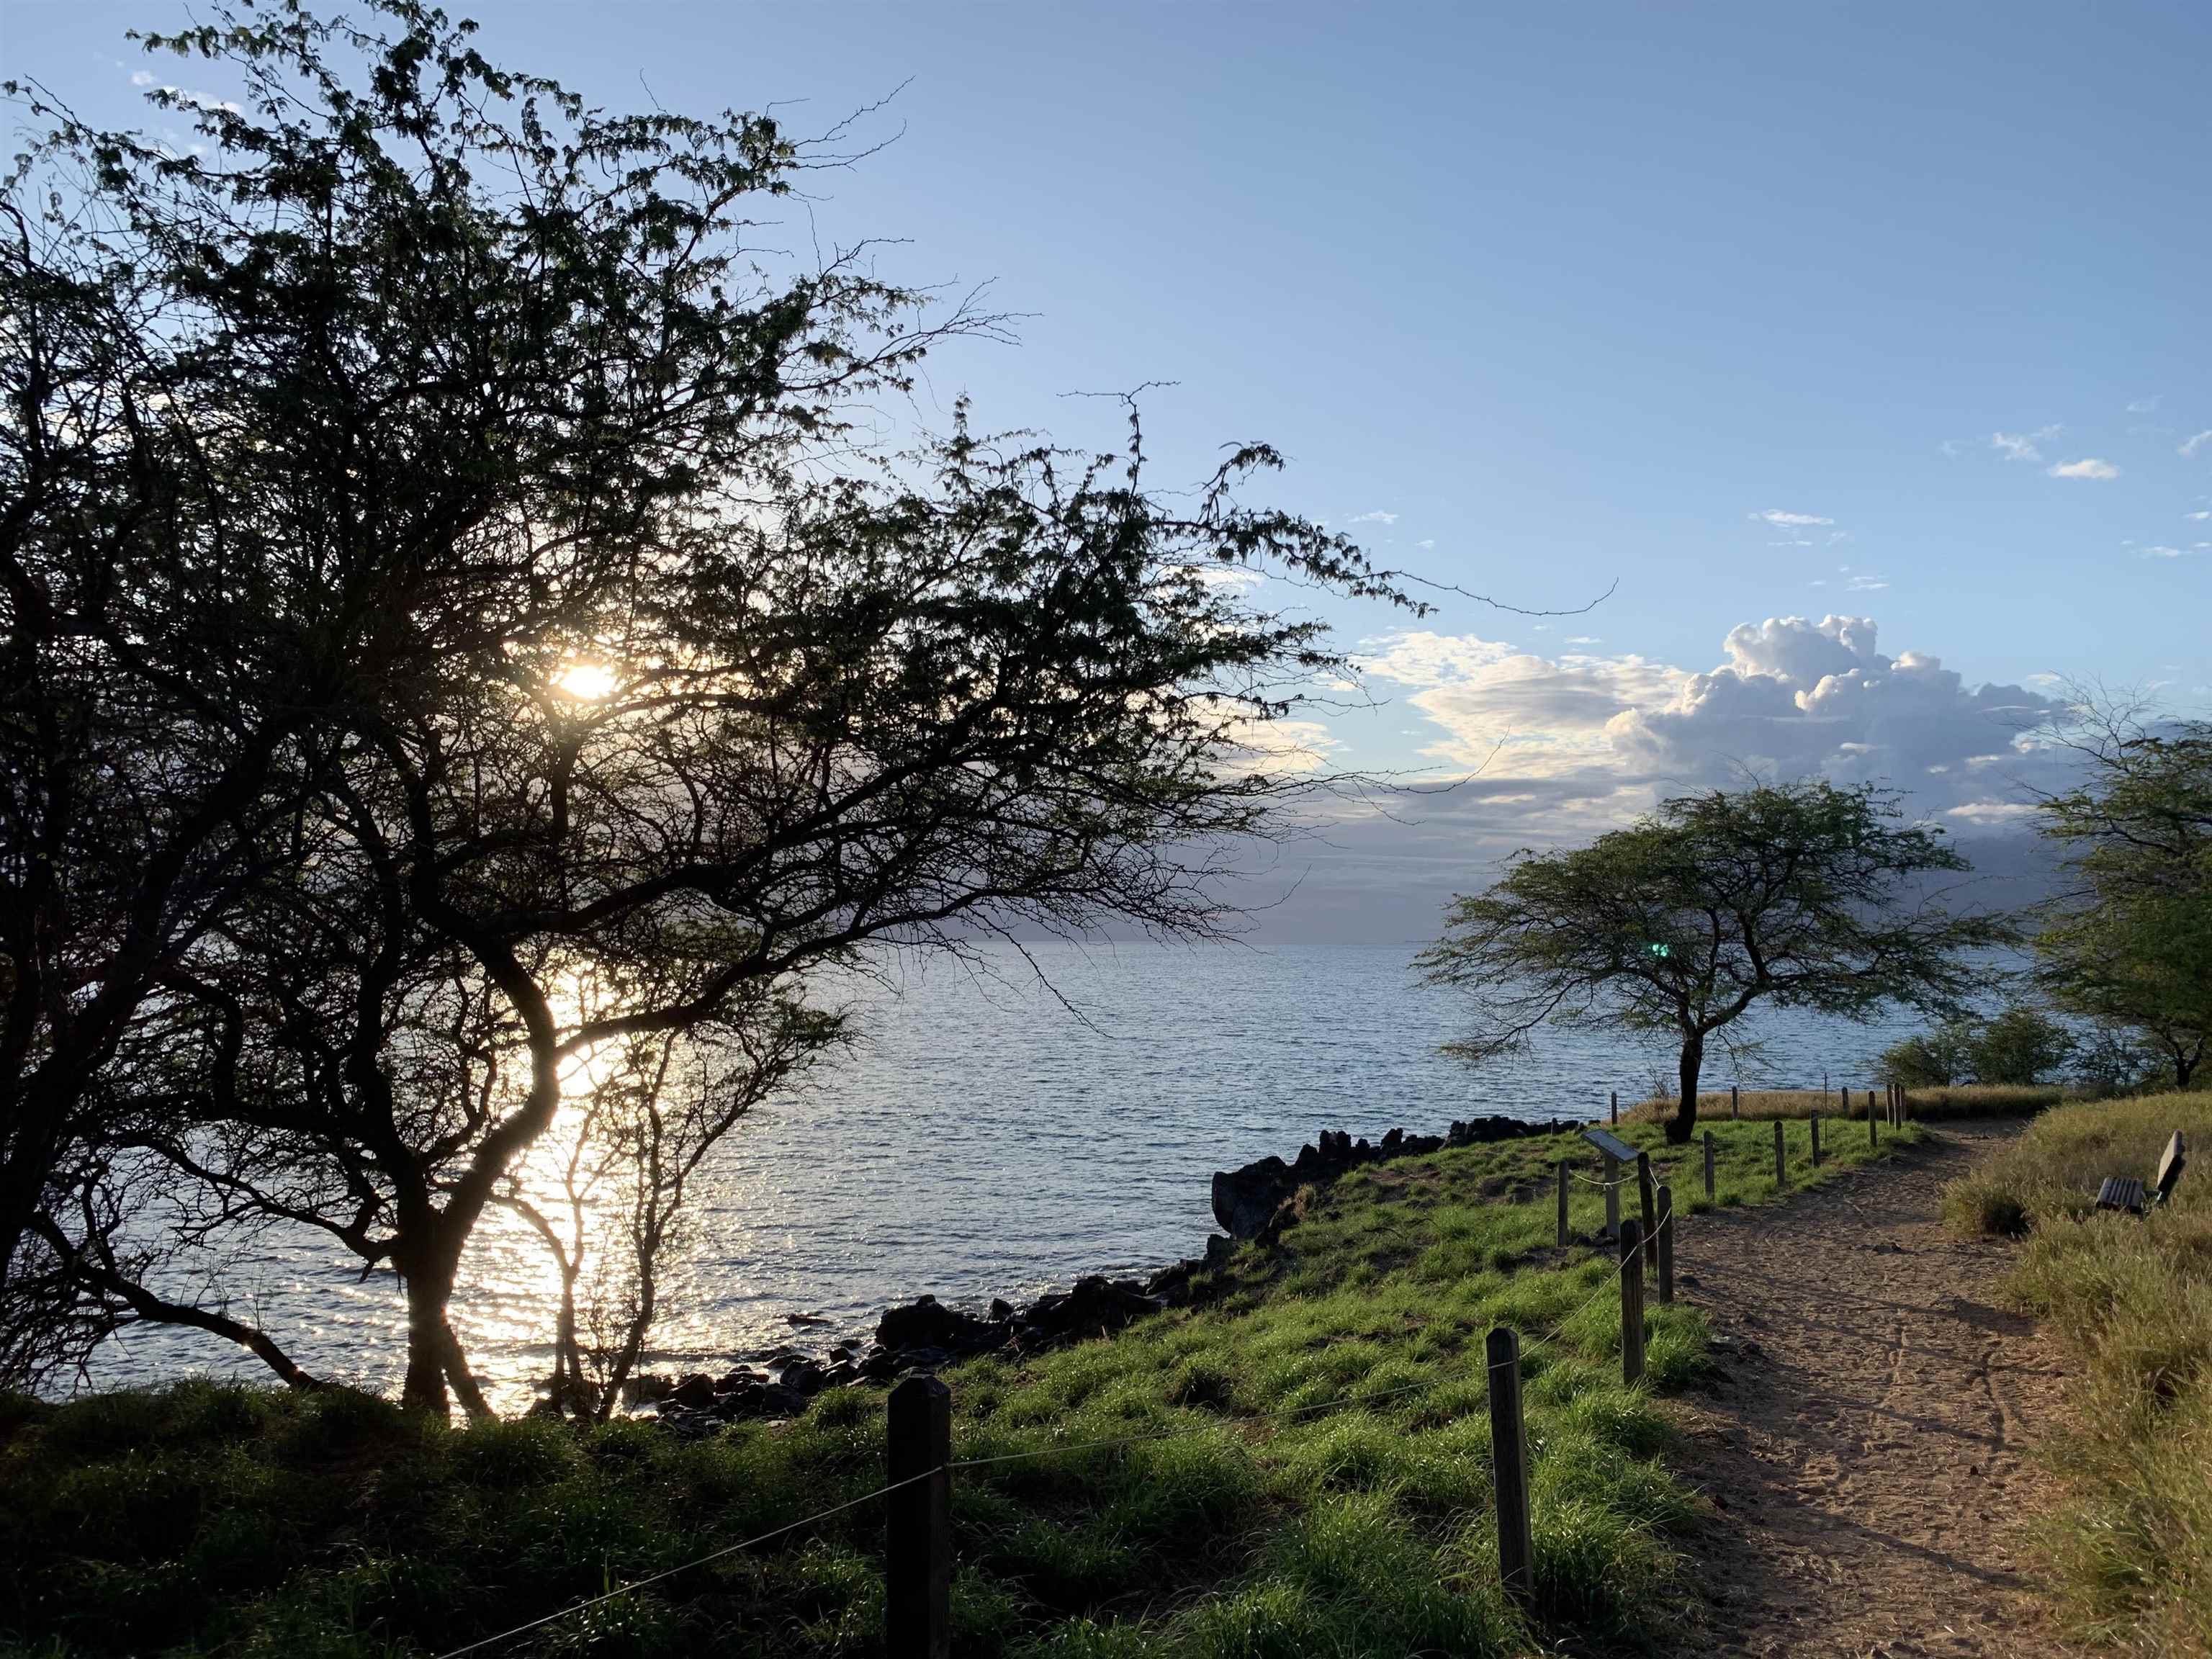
<point>1246,1200</point>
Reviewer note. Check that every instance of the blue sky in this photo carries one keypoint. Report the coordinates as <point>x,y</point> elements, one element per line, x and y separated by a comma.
<point>1563,296</point>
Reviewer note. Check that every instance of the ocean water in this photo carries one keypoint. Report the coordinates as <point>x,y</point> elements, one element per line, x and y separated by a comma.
<point>1001,1127</point>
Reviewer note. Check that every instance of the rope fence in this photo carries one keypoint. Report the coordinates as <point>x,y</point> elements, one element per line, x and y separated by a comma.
<point>918,1554</point>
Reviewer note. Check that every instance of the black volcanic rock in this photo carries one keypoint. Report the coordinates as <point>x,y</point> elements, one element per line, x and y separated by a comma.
<point>926,1322</point>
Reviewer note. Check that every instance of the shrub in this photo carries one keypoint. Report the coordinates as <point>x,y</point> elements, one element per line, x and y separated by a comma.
<point>1933,1059</point>
<point>2020,1046</point>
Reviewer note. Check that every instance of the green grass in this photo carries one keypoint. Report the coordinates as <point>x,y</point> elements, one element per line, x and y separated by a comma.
<point>1963,1100</point>
<point>2132,1301</point>
<point>1332,1495</point>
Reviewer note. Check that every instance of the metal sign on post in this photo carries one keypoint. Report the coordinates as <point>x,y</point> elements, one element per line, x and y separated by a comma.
<point>1611,1145</point>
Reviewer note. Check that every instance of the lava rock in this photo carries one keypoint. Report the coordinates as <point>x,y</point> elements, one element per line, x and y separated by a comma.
<point>803,1377</point>
<point>1096,1307</point>
<point>926,1322</point>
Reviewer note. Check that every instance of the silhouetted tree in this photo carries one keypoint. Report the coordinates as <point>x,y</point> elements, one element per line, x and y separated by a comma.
<point>1796,895</point>
<point>613,690</point>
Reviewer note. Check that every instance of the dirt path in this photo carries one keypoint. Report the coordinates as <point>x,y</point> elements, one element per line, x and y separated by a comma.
<point>1866,1439</point>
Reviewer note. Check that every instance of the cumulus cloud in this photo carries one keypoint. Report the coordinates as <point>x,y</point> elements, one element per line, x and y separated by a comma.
<point>2090,467</point>
<point>1378,516</point>
<point>1798,697</point>
<point>1780,520</point>
<point>1793,698</point>
<point>2023,445</point>
<point>2190,446</point>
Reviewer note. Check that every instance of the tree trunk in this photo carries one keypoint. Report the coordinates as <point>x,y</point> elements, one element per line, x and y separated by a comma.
<point>2184,1067</point>
<point>427,1292</point>
<point>1684,1123</point>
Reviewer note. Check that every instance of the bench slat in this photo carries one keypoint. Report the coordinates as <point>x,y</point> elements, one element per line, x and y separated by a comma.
<point>2120,1193</point>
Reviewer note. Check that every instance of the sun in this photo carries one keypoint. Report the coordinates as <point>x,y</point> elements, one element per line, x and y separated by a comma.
<point>586,682</point>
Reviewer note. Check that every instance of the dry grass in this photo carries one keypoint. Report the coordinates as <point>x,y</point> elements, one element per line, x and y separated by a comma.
<point>1967,1100</point>
<point>2132,1301</point>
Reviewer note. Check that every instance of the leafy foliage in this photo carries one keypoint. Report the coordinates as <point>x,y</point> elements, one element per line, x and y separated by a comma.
<point>2131,947</point>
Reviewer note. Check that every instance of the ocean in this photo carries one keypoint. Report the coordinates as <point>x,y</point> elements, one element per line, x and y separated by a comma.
<point>1002,1126</point>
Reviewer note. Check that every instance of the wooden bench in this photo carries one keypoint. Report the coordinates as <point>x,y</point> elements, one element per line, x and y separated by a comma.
<point>2126,1192</point>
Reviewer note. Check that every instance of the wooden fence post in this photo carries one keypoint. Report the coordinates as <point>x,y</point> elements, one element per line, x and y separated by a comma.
<point>1649,1208</point>
<point>1709,1165</point>
<point>1816,1140</point>
<point>1844,1090</point>
<point>1611,1171</point>
<point>1508,1462</point>
<point>1616,1105</point>
<point>1666,1237</point>
<point>1736,1101</point>
<point>1631,1303</point>
<point>1874,1139</point>
<point>1781,1169</point>
<point>1563,1203</point>
<point>918,1531</point>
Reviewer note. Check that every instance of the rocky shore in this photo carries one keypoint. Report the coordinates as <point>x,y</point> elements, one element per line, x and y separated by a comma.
<point>1250,1203</point>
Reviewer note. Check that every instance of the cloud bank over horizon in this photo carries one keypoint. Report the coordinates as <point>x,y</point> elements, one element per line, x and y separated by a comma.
<point>1532,751</point>
<point>1793,698</point>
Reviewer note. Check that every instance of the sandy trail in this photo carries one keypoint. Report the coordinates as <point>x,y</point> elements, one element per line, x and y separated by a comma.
<point>1866,1437</point>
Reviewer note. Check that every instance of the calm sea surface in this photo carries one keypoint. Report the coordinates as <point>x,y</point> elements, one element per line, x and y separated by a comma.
<point>989,1139</point>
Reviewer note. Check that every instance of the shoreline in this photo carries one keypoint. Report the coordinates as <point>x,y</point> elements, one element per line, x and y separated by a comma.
<point>1250,1204</point>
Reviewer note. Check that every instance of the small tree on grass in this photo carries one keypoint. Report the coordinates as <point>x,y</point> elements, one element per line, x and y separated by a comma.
<point>1798,896</point>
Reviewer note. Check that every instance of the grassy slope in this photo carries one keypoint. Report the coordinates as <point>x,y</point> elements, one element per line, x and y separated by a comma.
<point>206,1519</point>
<point>2132,1301</point>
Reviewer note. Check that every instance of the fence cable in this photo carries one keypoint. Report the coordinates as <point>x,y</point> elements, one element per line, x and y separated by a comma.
<point>670,1572</point>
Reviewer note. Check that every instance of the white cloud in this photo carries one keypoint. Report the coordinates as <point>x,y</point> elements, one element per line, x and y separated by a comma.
<point>1986,814</point>
<point>2190,446</point>
<point>1227,575</point>
<point>1376,517</point>
<point>1794,697</point>
<point>2142,406</point>
<point>1429,542</point>
<point>1282,747</point>
<point>2199,517</point>
<point>1798,696</point>
<point>2022,445</point>
<point>2090,467</point>
<point>1865,583</point>
<point>2160,552</point>
<point>1780,520</point>
<point>141,78</point>
<point>1584,639</point>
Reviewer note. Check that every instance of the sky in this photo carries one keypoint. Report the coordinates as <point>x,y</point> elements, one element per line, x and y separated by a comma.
<point>1857,355</point>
